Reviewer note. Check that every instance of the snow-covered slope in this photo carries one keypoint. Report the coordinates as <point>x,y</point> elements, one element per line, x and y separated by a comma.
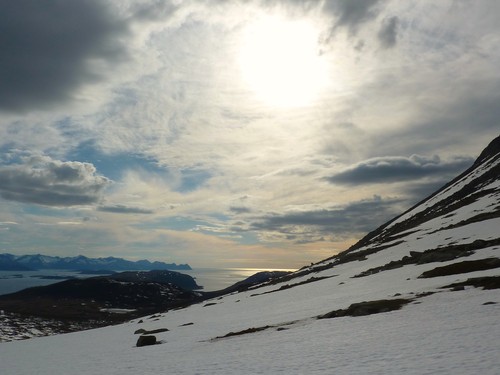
<point>432,276</point>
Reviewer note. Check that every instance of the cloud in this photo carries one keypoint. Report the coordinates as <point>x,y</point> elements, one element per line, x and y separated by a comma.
<point>351,14</point>
<point>387,34</point>
<point>418,191</point>
<point>42,180</point>
<point>153,10</point>
<point>49,49</point>
<point>398,168</point>
<point>240,210</point>
<point>121,209</point>
<point>466,114</point>
<point>317,224</point>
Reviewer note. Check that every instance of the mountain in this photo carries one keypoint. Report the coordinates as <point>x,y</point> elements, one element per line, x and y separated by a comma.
<point>181,280</point>
<point>7,263</point>
<point>80,262</point>
<point>96,300</point>
<point>419,295</point>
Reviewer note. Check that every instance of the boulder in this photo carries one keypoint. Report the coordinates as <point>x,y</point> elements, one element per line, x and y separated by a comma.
<point>146,340</point>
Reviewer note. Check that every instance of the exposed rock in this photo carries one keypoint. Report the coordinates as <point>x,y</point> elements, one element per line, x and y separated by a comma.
<point>442,254</point>
<point>146,341</point>
<point>244,332</point>
<point>368,308</point>
<point>462,267</point>
<point>142,331</point>
<point>258,279</point>
<point>488,282</point>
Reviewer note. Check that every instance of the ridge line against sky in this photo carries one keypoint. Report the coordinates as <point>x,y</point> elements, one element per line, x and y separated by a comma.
<point>244,133</point>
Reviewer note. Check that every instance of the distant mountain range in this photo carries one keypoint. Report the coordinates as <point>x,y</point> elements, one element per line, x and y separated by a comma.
<point>10,262</point>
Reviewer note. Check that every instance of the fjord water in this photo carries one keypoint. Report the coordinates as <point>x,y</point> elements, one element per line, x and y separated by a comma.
<point>210,278</point>
<point>219,278</point>
<point>13,281</point>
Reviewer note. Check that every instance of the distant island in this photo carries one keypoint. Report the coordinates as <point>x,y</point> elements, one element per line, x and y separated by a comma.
<point>10,262</point>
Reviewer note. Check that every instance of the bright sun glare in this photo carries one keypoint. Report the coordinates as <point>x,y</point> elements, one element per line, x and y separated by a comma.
<point>280,62</point>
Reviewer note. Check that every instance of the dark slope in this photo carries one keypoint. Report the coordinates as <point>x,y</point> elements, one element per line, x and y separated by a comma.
<point>92,298</point>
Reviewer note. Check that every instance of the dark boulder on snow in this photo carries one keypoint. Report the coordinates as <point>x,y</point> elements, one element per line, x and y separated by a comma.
<point>146,341</point>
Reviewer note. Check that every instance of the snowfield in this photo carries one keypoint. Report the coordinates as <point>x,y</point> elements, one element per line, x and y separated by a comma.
<point>275,328</point>
<point>445,333</point>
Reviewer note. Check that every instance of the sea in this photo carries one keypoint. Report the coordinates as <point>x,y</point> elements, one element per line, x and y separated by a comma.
<point>209,278</point>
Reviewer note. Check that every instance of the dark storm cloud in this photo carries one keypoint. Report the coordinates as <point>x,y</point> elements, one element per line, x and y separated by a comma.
<point>46,48</point>
<point>121,209</point>
<point>387,34</point>
<point>352,218</point>
<point>49,182</point>
<point>397,168</point>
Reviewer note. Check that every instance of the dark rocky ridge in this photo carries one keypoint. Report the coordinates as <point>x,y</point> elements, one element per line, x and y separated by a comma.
<point>181,280</point>
<point>93,299</point>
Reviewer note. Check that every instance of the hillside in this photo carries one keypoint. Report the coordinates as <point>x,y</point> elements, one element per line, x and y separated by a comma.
<point>419,295</point>
<point>97,301</point>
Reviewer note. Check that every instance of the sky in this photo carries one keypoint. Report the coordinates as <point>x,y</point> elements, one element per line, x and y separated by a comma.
<point>265,134</point>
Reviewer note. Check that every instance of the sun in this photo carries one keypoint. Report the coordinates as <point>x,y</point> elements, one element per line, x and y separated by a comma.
<point>280,62</point>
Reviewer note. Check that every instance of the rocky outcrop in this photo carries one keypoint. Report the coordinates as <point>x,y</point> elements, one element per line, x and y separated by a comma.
<point>146,341</point>
<point>368,308</point>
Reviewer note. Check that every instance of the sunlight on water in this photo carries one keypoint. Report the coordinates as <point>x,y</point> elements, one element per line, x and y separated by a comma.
<point>219,278</point>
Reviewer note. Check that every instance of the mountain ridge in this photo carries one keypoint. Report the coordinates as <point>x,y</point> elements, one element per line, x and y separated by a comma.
<point>12,262</point>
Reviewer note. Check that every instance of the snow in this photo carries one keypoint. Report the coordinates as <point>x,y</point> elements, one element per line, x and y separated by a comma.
<point>449,332</point>
<point>450,190</point>
<point>446,332</point>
